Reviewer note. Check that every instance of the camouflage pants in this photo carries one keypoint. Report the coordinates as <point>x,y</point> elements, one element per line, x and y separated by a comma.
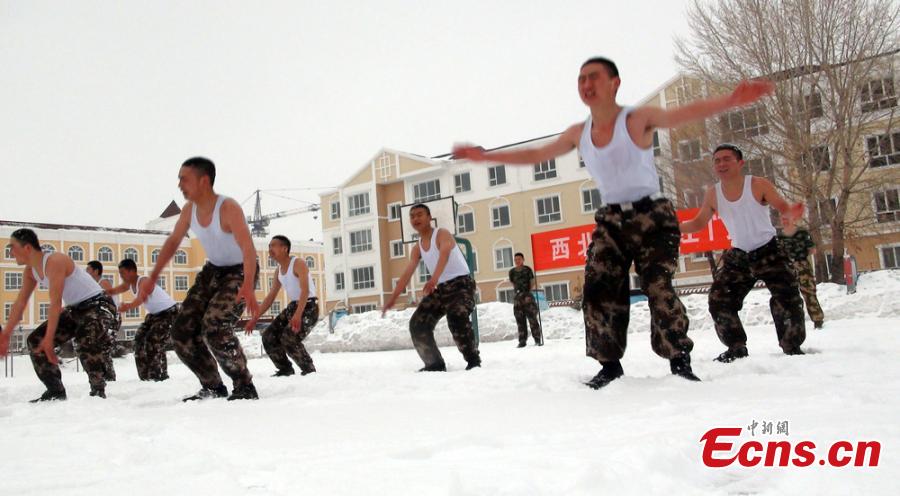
<point>807,282</point>
<point>280,341</point>
<point>206,323</point>
<point>109,346</point>
<point>150,345</point>
<point>87,322</point>
<point>526,312</point>
<point>649,237</point>
<point>738,272</point>
<point>455,299</point>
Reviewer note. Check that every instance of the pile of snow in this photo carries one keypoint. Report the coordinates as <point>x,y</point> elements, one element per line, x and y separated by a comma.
<point>875,297</point>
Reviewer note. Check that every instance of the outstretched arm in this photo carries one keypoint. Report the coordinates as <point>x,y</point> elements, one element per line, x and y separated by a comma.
<point>404,279</point>
<point>790,213</point>
<point>564,143</point>
<point>745,93</point>
<point>703,216</point>
<point>168,249</point>
<point>237,223</point>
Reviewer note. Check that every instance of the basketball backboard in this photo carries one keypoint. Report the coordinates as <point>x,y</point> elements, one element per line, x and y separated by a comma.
<point>443,215</point>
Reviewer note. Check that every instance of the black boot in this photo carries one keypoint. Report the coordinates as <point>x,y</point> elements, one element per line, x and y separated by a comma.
<point>818,324</point>
<point>521,344</point>
<point>795,351</point>
<point>435,367</point>
<point>51,396</point>
<point>245,392</point>
<point>99,392</point>
<point>307,372</point>
<point>219,391</point>
<point>729,356</point>
<point>473,363</point>
<point>610,372</point>
<point>681,366</point>
<point>283,372</point>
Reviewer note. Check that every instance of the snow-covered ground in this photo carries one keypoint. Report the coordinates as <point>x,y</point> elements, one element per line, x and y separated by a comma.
<point>522,424</point>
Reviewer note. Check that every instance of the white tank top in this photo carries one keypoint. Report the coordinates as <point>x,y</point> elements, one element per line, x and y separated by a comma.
<point>77,287</point>
<point>158,301</point>
<point>456,264</point>
<point>221,248</point>
<point>747,220</point>
<point>291,283</point>
<point>623,171</point>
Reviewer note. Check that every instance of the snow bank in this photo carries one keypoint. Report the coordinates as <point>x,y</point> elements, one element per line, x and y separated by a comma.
<point>876,297</point>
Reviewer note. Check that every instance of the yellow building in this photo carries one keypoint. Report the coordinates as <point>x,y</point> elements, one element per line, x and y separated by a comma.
<point>111,245</point>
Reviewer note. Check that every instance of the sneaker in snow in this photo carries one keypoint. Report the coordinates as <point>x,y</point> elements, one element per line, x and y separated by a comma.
<point>219,391</point>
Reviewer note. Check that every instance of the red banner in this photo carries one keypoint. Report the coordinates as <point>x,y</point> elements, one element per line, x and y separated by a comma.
<point>567,247</point>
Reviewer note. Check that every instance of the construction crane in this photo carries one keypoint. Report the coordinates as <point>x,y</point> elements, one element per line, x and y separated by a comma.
<point>259,223</point>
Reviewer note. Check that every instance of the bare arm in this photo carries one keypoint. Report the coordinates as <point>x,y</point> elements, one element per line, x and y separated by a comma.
<point>789,213</point>
<point>270,297</point>
<point>121,288</point>
<point>745,93</point>
<point>414,257</point>
<point>15,314</point>
<point>172,242</point>
<point>57,266</point>
<point>564,143</point>
<point>138,300</point>
<point>234,219</point>
<point>302,272</point>
<point>703,216</point>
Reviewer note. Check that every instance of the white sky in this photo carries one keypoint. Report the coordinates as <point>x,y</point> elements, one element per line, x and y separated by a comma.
<point>101,101</point>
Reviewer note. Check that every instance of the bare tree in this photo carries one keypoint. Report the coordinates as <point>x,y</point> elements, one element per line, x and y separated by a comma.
<point>825,127</point>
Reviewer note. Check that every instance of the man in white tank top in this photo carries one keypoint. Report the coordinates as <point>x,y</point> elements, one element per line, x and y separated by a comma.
<point>203,332</point>
<point>153,335</point>
<point>87,314</point>
<point>635,224</point>
<point>284,337</point>
<point>94,269</point>
<point>450,292</point>
<point>743,204</point>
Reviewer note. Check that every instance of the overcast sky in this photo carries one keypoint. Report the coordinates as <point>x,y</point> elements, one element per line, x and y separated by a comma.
<point>101,101</point>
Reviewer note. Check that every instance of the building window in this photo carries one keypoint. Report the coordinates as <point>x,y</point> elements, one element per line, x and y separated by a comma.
<point>339,281</point>
<point>809,106</point>
<point>547,210</point>
<point>657,149</point>
<point>424,273</point>
<point>48,248</point>
<point>12,280</point>
<point>890,257</point>
<point>826,209</point>
<point>310,263</point>
<point>500,216</point>
<point>365,307</point>
<point>818,157</point>
<point>361,241</point>
<point>105,254</point>
<point>275,309</point>
<point>154,256</point>
<point>394,210</point>
<point>545,170</point>
<point>272,263</point>
<point>335,210</point>
<point>762,167</point>
<point>130,333</point>
<point>270,281</point>
<point>181,283</point>
<point>507,295</point>
<point>394,282</point>
<point>581,164</point>
<point>181,258</point>
<point>358,204</point>
<point>427,191</point>
<point>465,222</point>
<point>7,253</point>
<point>497,175</point>
<point>590,200</point>
<point>503,258</point>
<point>557,291</point>
<point>43,311</point>
<point>364,278</point>
<point>887,205</point>
<point>337,245</point>
<point>161,282</point>
<point>7,309</point>
<point>256,285</point>
<point>878,94</point>
<point>397,249</point>
<point>76,253</point>
<point>744,123</point>
<point>462,183</point>
<point>689,150</point>
<point>883,149</point>
<point>108,278</point>
<point>134,313</point>
<point>131,254</point>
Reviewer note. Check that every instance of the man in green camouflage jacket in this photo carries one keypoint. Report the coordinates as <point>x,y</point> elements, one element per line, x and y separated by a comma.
<point>798,245</point>
<point>524,307</point>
